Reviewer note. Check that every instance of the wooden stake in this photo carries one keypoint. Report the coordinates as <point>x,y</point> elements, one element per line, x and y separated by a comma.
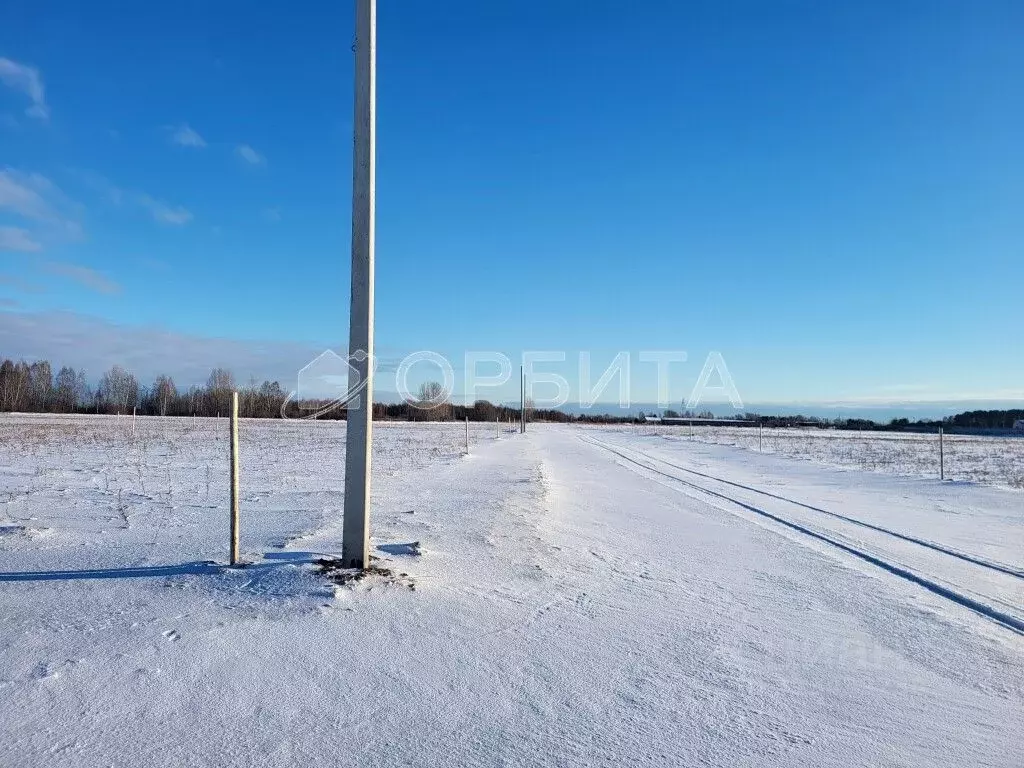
<point>942,458</point>
<point>467,435</point>
<point>234,479</point>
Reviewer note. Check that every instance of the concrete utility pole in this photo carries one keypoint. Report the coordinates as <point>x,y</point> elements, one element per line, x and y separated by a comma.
<point>355,542</point>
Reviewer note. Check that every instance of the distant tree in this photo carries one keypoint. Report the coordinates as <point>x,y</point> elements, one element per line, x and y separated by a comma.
<point>247,396</point>
<point>193,401</point>
<point>430,403</point>
<point>219,388</point>
<point>119,390</point>
<point>270,399</point>
<point>670,414</point>
<point>484,410</point>
<point>7,385</point>
<point>16,386</point>
<point>40,386</point>
<point>83,392</point>
<point>164,394</point>
<point>431,392</point>
<point>65,396</point>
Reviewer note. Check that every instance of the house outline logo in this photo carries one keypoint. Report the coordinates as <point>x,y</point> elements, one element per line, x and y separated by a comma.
<point>326,382</point>
<point>325,377</point>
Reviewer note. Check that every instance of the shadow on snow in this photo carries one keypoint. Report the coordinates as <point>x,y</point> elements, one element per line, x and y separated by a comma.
<point>197,568</point>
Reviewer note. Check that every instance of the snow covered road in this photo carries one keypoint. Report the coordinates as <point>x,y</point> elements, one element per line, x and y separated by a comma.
<point>582,598</point>
<point>992,589</point>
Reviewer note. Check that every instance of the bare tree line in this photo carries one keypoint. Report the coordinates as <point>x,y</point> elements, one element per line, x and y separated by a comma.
<point>33,388</point>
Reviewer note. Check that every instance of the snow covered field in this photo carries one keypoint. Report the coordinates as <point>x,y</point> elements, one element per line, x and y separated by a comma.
<point>990,460</point>
<point>581,597</point>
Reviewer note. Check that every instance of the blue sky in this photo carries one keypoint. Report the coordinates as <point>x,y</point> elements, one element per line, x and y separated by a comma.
<point>831,195</point>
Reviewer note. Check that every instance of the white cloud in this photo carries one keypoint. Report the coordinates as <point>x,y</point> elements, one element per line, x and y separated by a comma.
<point>272,214</point>
<point>249,154</point>
<point>17,284</point>
<point>18,239</point>
<point>85,276</point>
<point>176,216</point>
<point>36,199</point>
<point>164,213</point>
<point>21,77</point>
<point>95,344</point>
<point>186,136</point>
<point>23,193</point>
<point>101,184</point>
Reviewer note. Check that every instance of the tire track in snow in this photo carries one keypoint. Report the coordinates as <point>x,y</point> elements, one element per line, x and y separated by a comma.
<point>986,611</point>
<point>1000,567</point>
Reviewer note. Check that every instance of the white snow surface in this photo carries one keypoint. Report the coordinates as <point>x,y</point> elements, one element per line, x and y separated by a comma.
<point>581,597</point>
<point>993,460</point>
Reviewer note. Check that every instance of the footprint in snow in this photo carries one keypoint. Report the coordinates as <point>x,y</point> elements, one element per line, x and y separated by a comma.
<point>412,548</point>
<point>44,671</point>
